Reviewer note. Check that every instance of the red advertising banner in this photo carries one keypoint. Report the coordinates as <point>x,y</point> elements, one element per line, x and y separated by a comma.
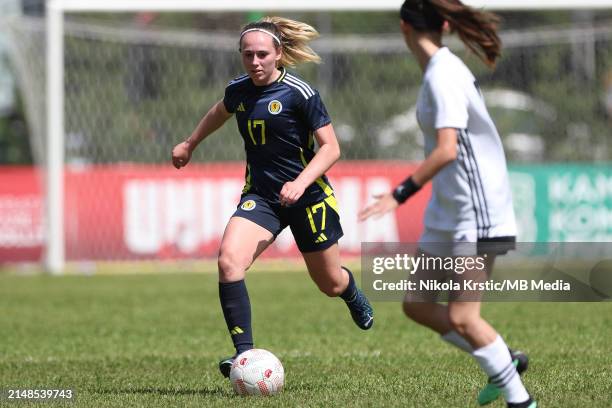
<point>21,215</point>
<point>131,212</point>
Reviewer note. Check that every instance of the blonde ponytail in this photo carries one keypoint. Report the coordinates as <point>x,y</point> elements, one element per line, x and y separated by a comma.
<point>294,37</point>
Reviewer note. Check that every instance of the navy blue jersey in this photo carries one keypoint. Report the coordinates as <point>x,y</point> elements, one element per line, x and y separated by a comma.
<point>277,122</point>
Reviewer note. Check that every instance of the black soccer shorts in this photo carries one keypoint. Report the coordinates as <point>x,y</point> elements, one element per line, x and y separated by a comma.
<point>315,227</point>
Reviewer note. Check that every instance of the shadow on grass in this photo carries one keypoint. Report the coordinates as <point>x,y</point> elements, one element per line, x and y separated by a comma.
<point>212,391</point>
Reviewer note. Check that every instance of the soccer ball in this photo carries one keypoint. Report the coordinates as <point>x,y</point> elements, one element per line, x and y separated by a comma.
<point>257,372</point>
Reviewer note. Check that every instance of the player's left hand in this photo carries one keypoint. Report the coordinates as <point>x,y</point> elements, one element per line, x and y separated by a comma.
<point>291,192</point>
<point>383,204</point>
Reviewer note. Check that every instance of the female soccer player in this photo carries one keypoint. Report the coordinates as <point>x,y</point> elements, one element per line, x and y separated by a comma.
<point>471,199</point>
<point>279,117</point>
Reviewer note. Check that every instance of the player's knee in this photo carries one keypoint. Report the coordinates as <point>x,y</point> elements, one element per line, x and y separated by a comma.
<point>331,289</point>
<point>460,321</point>
<point>231,268</point>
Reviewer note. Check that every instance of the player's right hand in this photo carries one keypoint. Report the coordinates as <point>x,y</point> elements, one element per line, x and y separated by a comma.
<point>383,204</point>
<point>181,154</point>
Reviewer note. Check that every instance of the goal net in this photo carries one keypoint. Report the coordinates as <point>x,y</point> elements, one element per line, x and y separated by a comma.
<point>133,87</point>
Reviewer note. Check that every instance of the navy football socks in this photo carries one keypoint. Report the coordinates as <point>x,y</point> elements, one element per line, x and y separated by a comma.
<point>361,310</point>
<point>237,312</point>
<point>351,290</point>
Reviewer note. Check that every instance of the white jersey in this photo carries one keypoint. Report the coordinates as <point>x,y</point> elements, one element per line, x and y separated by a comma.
<point>473,192</point>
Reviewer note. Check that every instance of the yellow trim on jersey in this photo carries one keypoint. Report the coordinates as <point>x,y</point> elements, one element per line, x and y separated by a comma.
<point>329,192</point>
<point>331,200</point>
<point>247,181</point>
<point>282,75</point>
<point>311,140</point>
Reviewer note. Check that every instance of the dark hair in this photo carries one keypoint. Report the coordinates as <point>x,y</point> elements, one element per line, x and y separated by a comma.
<point>477,29</point>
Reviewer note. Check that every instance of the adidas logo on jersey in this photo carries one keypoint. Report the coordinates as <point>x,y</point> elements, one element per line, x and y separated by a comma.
<point>321,238</point>
<point>241,108</point>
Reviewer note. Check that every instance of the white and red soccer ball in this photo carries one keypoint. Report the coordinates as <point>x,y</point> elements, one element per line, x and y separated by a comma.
<point>257,372</point>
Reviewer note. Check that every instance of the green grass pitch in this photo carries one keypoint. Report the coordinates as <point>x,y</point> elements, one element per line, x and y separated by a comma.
<point>155,340</point>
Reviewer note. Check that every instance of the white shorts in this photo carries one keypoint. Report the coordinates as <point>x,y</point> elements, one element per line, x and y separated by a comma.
<point>463,243</point>
<point>441,236</point>
<point>449,243</point>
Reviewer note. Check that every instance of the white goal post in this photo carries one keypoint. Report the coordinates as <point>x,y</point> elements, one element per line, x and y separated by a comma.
<point>55,103</point>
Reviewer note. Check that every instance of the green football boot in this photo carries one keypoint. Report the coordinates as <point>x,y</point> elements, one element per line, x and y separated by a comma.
<point>491,392</point>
